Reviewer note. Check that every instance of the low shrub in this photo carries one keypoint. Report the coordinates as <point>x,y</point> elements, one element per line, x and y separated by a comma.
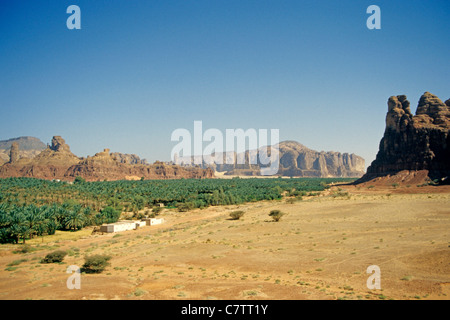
<point>95,263</point>
<point>157,210</point>
<point>276,215</point>
<point>54,257</point>
<point>236,215</point>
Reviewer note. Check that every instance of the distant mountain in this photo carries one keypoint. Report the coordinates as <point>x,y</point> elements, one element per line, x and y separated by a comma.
<point>296,160</point>
<point>28,147</point>
<point>25,143</point>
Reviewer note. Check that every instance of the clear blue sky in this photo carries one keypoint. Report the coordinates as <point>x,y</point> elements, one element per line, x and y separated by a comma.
<point>137,70</point>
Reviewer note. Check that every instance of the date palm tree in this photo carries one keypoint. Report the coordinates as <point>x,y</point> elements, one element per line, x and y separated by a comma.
<point>75,219</point>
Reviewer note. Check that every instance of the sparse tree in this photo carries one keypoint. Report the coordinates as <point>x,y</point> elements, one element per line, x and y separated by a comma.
<point>96,263</point>
<point>276,215</point>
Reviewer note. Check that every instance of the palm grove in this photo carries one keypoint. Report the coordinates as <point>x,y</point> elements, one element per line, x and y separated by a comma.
<point>32,207</point>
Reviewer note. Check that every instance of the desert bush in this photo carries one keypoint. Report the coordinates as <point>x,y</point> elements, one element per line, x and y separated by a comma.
<point>54,257</point>
<point>340,194</point>
<point>24,249</point>
<point>157,210</point>
<point>95,263</point>
<point>139,215</point>
<point>294,200</point>
<point>236,215</point>
<point>276,215</point>
<point>185,206</point>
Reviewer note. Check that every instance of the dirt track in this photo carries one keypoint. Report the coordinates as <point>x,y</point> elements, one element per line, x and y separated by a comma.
<point>320,250</point>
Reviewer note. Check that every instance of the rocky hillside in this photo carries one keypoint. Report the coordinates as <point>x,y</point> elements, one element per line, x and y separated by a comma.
<point>414,142</point>
<point>105,165</point>
<point>58,162</point>
<point>28,147</point>
<point>296,160</point>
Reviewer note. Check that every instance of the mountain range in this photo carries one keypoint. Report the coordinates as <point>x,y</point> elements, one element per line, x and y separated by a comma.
<point>296,160</point>
<point>30,157</point>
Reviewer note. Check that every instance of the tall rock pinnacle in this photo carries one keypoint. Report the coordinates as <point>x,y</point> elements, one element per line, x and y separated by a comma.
<point>414,142</point>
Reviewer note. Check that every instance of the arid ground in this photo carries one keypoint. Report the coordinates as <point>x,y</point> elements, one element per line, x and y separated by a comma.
<point>320,249</point>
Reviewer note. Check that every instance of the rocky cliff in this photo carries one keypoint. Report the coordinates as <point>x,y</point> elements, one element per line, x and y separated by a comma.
<point>51,163</point>
<point>414,142</point>
<point>58,162</point>
<point>296,160</point>
<point>107,166</point>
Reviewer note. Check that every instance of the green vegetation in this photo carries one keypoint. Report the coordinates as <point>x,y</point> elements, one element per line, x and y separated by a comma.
<point>236,215</point>
<point>54,257</point>
<point>33,207</point>
<point>276,215</point>
<point>95,264</point>
<point>157,210</point>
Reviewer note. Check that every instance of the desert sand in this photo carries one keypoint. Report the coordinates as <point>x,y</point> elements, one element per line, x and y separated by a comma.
<point>320,249</point>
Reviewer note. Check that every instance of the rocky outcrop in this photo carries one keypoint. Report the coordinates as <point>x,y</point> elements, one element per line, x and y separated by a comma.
<point>414,142</point>
<point>51,163</point>
<point>128,158</point>
<point>58,153</point>
<point>28,147</point>
<point>296,160</point>
<point>14,153</point>
<point>58,162</point>
<point>106,166</point>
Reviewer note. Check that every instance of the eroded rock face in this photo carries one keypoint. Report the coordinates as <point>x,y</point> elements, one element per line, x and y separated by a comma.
<point>58,162</point>
<point>414,142</point>
<point>107,166</point>
<point>296,160</point>
<point>310,163</point>
<point>14,153</point>
<point>28,147</point>
<point>128,158</point>
<point>51,163</point>
<point>59,145</point>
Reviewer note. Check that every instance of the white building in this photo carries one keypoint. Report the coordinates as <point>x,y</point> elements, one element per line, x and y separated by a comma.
<point>126,225</point>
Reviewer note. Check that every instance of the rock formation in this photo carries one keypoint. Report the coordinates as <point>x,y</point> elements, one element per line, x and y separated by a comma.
<point>128,158</point>
<point>296,160</point>
<point>414,142</point>
<point>51,163</point>
<point>57,154</point>
<point>14,153</point>
<point>106,166</point>
<point>58,162</point>
<point>28,147</point>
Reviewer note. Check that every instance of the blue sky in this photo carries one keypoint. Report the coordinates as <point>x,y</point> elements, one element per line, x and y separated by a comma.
<point>138,70</point>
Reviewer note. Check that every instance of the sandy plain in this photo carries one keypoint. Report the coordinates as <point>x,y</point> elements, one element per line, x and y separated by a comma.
<point>319,250</point>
